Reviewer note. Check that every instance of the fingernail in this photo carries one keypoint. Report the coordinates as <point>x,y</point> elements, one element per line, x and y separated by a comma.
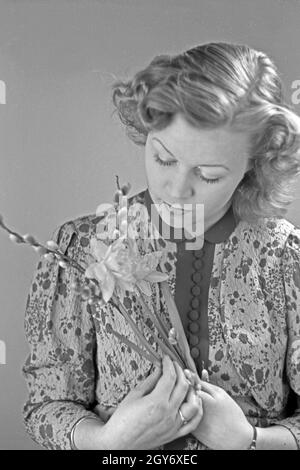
<point>205,376</point>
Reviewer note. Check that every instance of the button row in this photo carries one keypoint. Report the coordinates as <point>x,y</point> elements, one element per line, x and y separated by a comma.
<point>195,353</point>
<point>198,263</point>
<point>198,253</point>
<point>194,327</point>
<point>194,314</point>
<point>196,290</point>
<point>197,277</point>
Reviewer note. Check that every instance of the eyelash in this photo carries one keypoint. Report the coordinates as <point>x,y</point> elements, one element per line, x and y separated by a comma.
<point>163,163</point>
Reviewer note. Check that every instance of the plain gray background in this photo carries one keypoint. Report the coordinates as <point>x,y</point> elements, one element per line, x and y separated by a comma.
<point>60,146</point>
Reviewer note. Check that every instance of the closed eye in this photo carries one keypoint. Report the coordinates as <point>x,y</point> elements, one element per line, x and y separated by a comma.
<point>170,163</point>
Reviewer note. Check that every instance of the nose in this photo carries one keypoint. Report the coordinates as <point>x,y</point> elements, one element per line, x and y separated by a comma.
<point>180,189</point>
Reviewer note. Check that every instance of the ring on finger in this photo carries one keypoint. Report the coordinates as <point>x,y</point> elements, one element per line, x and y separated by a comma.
<point>183,419</point>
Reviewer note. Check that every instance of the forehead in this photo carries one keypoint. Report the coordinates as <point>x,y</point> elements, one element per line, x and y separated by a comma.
<point>188,142</point>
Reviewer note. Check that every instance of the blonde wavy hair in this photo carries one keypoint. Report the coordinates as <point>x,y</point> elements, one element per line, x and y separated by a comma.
<point>214,85</point>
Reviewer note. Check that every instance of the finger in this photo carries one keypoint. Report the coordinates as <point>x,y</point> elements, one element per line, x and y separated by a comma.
<point>192,395</point>
<point>189,375</point>
<point>192,424</point>
<point>181,387</point>
<point>206,398</point>
<point>103,413</point>
<point>166,383</point>
<point>148,385</point>
<point>192,404</point>
<point>193,378</point>
<point>204,375</point>
<point>209,388</point>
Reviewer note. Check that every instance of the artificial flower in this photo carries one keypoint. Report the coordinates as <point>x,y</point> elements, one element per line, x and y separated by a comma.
<point>120,265</point>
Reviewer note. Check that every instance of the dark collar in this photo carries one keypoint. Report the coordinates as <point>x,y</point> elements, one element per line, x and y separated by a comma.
<point>218,233</point>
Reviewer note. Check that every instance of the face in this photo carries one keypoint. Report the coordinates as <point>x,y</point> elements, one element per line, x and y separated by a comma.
<point>188,165</point>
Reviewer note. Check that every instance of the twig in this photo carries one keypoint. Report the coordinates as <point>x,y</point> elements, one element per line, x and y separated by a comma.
<point>138,333</point>
<point>167,348</point>
<point>149,356</point>
<point>161,329</point>
<point>177,325</point>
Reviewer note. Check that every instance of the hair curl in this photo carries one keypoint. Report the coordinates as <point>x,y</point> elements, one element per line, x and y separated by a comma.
<point>221,84</point>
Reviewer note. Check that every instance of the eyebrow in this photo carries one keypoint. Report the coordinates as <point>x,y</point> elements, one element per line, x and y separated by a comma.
<point>204,164</point>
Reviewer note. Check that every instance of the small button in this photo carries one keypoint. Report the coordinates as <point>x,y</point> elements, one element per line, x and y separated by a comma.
<point>198,264</point>
<point>195,303</point>
<point>193,340</point>
<point>196,290</point>
<point>193,327</point>
<point>195,353</point>
<point>197,277</point>
<point>198,253</point>
<point>193,315</point>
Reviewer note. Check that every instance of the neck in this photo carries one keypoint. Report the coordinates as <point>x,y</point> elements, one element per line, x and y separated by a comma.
<point>209,222</point>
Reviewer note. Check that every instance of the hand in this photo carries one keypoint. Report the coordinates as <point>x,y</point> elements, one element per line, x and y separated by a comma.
<point>148,416</point>
<point>224,425</point>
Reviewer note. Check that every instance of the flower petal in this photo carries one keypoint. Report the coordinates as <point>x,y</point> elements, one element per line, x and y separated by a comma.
<point>125,285</point>
<point>150,261</point>
<point>97,271</point>
<point>145,287</point>
<point>112,264</point>
<point>156,276</point>
<point>90,271</point>
<point>99,249</point>
<point>108,287</point>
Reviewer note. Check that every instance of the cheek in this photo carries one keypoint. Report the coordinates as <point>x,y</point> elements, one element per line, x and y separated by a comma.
<point>152,177</point>
<point>216,194</point>
<point>153,172</point>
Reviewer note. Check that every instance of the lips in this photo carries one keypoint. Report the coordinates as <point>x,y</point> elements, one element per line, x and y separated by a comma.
<point>176,207</point>
<point>173,207</point>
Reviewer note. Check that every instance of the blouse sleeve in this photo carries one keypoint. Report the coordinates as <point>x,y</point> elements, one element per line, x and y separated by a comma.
<point>291,270</point>
<point>59,371</point>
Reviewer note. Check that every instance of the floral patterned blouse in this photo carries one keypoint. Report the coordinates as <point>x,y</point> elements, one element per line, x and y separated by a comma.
<point>77,368</point>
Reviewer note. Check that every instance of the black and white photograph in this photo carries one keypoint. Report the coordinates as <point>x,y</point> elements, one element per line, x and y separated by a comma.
<point>149,227</point>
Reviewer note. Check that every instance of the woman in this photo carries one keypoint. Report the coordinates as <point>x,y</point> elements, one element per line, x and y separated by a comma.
<point>217,135</point>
